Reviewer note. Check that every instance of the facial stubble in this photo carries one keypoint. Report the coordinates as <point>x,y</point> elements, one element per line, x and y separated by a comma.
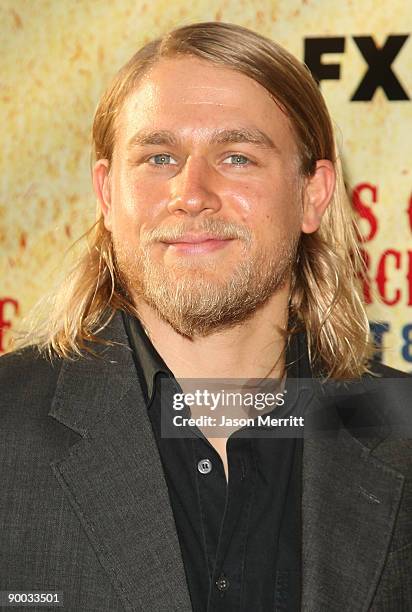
<point>197,299</point>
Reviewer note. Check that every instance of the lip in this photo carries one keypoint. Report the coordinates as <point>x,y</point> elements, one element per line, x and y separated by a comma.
<point>197,243</point>
<point>194,239</point>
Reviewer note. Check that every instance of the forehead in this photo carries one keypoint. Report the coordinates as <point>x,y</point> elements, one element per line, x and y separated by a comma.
<point>191,97</point>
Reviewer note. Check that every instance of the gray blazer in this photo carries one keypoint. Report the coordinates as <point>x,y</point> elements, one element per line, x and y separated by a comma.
<point>84,506</point>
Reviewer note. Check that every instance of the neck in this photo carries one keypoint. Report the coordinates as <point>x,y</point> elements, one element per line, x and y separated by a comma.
<point>252,349</point>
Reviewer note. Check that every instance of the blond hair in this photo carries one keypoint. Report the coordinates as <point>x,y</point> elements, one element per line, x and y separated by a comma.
<point>325,298</point>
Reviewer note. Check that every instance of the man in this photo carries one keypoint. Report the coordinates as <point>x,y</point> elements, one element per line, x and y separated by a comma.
<point>223,250</point>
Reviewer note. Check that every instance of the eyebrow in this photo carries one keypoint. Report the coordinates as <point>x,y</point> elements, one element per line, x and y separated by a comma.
<point>253,136</point>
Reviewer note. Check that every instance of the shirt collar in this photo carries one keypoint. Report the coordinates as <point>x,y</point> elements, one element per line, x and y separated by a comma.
<point>149,363</point>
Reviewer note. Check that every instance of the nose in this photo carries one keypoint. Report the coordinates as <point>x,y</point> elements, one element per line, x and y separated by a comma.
<point>193,190</point>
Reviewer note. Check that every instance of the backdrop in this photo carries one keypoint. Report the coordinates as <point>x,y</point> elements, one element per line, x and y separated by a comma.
<point>57,57</point>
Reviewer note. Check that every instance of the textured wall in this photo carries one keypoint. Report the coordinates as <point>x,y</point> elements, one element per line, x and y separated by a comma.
<point>58,56</point>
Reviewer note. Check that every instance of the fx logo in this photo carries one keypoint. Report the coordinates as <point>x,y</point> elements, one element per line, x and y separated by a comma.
<point>378,59</point>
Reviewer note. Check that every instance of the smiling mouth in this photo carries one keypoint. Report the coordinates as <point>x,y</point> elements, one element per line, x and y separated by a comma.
<point>196,244</point>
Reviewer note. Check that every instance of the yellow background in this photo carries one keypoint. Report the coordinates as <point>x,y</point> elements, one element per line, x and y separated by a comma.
<point>57,57</point>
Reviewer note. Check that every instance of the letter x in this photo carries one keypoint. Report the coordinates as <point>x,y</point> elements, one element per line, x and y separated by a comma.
<point>380,73</point>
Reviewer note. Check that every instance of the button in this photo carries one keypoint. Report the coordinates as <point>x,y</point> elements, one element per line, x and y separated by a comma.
<point>222,583</point>
<point>204,466</point>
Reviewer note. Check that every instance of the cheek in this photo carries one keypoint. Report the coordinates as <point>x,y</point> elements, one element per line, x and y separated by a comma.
<point>130,207</point>
<point>278,216</point>
<point>248,201</point>
<point>261,204</point>
<point>143,196</point>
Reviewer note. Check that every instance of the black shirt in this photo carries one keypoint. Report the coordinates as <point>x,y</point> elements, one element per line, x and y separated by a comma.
<point>240,541</point>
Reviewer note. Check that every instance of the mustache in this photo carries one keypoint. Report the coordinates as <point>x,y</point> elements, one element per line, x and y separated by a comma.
<point>219,229</point>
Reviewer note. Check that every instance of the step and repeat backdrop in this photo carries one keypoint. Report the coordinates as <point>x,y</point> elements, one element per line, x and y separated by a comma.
<point>57,58</point>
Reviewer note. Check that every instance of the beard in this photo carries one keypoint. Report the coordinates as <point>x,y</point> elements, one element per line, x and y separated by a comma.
<point>192,295</point>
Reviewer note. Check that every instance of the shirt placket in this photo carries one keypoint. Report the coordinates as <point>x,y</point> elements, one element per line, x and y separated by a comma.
<point>226,579</point>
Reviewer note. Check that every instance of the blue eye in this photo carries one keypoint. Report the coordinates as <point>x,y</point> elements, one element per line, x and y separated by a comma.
<point>162,159</point>
<point>239,160</point>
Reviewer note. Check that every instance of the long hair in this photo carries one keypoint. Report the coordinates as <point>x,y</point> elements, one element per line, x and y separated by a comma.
<point>325,298</point>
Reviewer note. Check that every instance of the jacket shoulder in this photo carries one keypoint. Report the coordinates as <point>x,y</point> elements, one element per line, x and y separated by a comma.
<point>384,371</point>
<point>392,388</point>
<point>27,379</point>
<point>377,407</point>
<point>389,393</point>
<point>28,361</point>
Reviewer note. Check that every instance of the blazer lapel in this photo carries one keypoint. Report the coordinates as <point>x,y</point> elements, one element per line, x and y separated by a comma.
<point>349,505</point>
<point>114,480</point>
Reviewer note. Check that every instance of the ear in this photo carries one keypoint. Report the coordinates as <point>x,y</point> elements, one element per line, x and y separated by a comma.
<point>318,193</point>
<point>101,185</point>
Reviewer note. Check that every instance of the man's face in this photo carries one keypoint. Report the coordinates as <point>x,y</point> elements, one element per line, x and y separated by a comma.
<point>199,150</point>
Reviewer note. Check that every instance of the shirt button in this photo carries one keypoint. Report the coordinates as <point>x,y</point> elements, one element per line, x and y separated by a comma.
<point>204,466</point>
<point>222,583</point>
